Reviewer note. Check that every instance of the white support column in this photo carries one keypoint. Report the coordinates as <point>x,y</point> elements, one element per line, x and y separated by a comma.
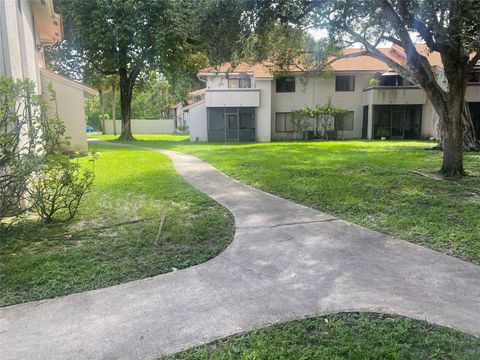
<point>263,116</point>
<point>370,122</point>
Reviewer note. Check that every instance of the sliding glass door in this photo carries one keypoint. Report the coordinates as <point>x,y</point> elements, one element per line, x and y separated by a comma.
<point>397,121</point>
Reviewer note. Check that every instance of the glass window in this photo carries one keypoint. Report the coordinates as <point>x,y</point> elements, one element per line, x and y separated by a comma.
<point>239,83</point>
<point>285,84</point>
<point>233,83</point>
<point>345,83</point>
<point>344,121</point>
<point>283,122</point>
<point>245,83</point>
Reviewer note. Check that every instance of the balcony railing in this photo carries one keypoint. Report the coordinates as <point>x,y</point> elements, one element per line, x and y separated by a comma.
<point>232,97</point>
<point>394,95</point>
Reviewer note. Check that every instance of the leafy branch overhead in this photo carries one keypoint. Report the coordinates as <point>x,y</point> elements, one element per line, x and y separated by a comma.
<point>447,27</point>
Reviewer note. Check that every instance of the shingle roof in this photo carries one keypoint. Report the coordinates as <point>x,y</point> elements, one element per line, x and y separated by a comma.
<point>360,63</point>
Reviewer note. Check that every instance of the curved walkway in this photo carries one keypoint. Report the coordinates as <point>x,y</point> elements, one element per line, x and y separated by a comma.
<point>287,261</point>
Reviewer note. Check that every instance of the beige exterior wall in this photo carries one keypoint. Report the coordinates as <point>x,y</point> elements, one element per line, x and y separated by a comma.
<point>401,95</point>
<point>198,123</point>
<point>263,115</point>
<point>70,109</point>
<point>144,126</point>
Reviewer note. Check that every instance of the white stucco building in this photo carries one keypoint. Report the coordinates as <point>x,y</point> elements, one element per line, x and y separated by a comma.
<point>247,103</point>
<point>26,27</point>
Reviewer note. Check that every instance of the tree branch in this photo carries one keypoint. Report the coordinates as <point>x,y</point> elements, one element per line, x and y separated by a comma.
<point>418,25</point>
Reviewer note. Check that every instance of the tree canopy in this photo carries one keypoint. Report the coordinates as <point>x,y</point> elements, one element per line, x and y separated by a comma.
<point>449,27</point>
<point>126,38</point>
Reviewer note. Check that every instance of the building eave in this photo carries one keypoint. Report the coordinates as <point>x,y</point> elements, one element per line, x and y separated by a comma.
<point>88,90</point>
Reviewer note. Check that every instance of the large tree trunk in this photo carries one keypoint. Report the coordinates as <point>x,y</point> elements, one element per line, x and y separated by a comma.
<point>126,89</point>
<point>470,141</point>
<point>451,120</point>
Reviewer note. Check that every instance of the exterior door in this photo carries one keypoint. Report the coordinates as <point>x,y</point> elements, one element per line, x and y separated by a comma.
<point>231,127</point>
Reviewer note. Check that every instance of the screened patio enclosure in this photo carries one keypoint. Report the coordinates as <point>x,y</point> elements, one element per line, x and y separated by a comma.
<point>230,124</point>
<point>397,121</point>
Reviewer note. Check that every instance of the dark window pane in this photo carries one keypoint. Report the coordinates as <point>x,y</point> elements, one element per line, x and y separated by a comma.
<point>283,122</point>
<point>345,83</point>
<point>288,123</point>
<point>285,84</point>
<point>344,121</point>
<point>245,83</point>
<point>280,122</point>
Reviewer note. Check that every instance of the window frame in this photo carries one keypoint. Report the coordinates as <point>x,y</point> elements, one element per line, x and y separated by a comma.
<point>285,114</point>
<point>338,77</point>
<point>240,82</point>
<point>285,88</point>
<point>342,118</point>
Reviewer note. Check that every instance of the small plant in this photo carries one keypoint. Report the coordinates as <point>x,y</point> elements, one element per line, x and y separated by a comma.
<point>321,115</point>
<point>373,82</point>
<point>58,188</point>
<point>382,133</point>
<point>183,128</point>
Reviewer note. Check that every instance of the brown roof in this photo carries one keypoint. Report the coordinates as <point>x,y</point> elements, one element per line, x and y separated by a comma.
<point>360,63</point>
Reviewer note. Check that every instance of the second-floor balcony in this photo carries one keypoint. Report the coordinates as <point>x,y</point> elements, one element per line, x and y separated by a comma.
<point>394,95</point>
<point>232,97</point>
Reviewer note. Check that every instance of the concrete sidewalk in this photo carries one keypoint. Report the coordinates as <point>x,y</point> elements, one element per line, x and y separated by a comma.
<point>287,261</point>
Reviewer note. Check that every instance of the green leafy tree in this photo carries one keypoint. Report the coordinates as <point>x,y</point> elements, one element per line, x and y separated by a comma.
<point>126,37</point>
<point>449,27</point>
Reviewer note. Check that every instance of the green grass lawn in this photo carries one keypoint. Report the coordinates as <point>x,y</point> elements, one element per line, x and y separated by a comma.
<point>342,336</point>
<point>113,237</point>
<point>368,183</point>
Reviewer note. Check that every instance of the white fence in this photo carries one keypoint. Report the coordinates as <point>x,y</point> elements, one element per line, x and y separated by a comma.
<point>143,126</point>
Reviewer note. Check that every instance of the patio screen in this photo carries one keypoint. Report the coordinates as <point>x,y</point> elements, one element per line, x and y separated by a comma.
<point>231,124</point>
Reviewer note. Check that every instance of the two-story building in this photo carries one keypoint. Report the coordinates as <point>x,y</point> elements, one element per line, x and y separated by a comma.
<point>248,103</point>
<point>26,28</point>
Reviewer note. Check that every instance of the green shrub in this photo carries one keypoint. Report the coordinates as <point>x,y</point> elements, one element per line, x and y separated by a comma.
<point>34,173</point>
<point>58,188</point>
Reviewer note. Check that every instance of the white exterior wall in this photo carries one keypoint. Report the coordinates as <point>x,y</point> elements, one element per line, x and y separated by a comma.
<point>70,109</point>
<point>263,114</point>
<point>17,36</point>
<point>232,97</point>
<point>143,126</point>
<point>198,123</point>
